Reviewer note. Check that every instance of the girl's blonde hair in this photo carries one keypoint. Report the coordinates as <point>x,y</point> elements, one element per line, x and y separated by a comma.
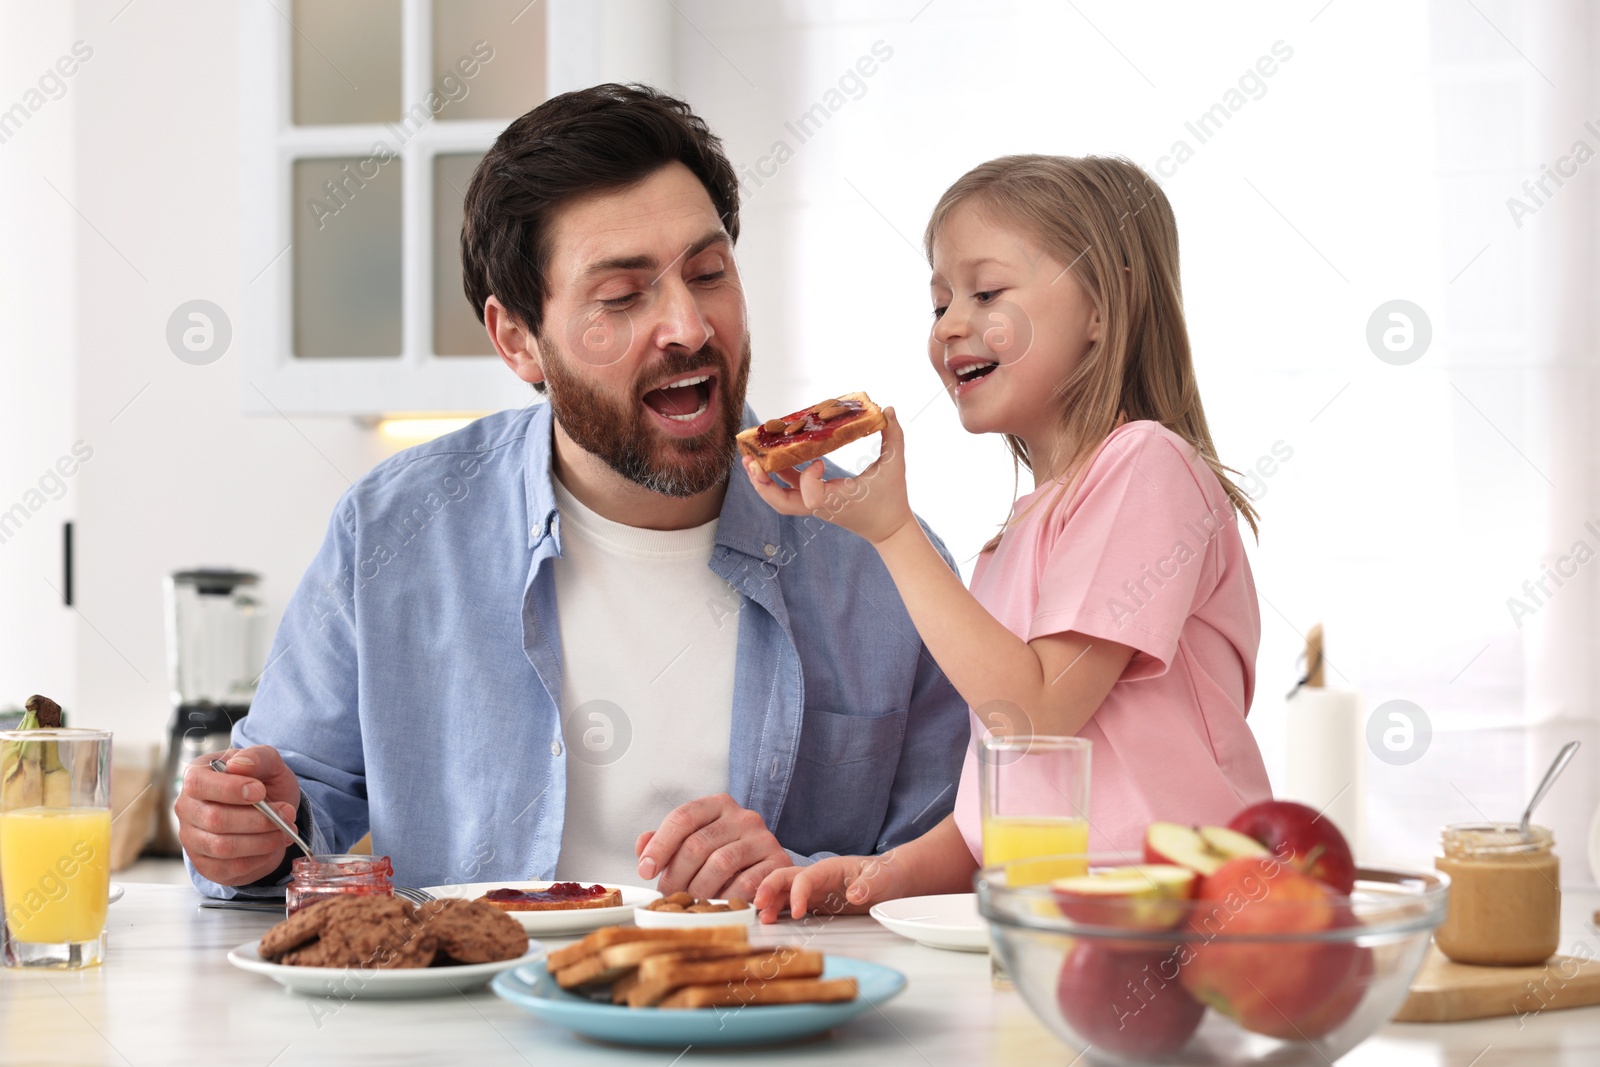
<point>1111,225</point>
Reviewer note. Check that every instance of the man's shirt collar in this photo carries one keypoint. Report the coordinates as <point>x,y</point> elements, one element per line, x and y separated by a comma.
<point>746,524</point>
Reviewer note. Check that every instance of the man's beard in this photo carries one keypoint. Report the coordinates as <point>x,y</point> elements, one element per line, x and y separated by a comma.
<point>620,434</point>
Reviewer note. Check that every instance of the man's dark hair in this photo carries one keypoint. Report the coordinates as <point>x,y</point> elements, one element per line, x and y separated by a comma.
<point>573,145</point>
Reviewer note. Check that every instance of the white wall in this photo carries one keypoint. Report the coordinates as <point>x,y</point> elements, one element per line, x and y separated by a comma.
<point>37,326</point>
<point>832,224</point>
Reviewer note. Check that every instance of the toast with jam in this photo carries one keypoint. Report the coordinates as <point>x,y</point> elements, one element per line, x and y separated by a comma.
<point>559,896</point>
<point>812,432</point>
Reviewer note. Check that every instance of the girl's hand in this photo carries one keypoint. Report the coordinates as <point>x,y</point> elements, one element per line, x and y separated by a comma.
<point>872,505</point>
<point>847,885</point>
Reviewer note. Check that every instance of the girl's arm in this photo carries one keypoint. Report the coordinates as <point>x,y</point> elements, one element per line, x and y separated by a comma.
<point>937,862</point>
<point>1055,682</point>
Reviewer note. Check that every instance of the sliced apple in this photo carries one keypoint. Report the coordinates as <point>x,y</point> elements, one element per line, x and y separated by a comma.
<point>1231,844</point>
<point>1181,846</point>
<point>1202,851</point>
<point>1147,896</point>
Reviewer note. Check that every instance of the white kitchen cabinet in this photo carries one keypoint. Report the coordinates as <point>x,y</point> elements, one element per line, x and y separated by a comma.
<point>361,123</point>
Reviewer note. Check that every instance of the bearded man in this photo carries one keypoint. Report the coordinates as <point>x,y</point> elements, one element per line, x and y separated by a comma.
<point>562,642</point>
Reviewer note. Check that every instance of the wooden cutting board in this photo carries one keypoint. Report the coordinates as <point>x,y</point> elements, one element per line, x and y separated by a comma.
<point>1446,991</point>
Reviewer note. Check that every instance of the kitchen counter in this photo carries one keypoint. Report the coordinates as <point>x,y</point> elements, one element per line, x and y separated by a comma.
<point>167,995</point>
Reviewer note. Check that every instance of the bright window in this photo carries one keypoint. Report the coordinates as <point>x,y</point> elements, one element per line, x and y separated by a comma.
<point>362,122</point>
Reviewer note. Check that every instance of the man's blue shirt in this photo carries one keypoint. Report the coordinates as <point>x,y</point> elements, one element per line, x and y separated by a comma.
<point>414,685</point>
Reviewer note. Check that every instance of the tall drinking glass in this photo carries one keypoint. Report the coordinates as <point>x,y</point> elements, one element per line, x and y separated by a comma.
<point>55,846</point>
<point>1034,798</point>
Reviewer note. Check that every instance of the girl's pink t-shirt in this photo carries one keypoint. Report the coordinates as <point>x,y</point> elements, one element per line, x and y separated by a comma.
<point>1146,553</point>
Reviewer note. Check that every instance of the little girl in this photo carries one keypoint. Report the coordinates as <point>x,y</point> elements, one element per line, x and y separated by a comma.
<point>1116,603</point>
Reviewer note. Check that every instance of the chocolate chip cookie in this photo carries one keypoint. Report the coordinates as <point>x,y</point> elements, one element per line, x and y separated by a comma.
<point>469,932</point>
<point>298,929</point>
<point>367,932</point>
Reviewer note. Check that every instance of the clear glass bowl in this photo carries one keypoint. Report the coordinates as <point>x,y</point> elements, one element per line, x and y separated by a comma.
<point>1253,979</point>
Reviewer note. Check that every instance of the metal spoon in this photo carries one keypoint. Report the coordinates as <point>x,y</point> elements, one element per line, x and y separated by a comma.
<point>1557,765</point>
<point>277,820</point>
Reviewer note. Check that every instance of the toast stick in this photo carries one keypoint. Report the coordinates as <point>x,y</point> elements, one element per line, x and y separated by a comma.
<point>660,976</point>
<point>782,991</point>
<point>623,984</point>
<point>610,964</point>
<point>618,935</point>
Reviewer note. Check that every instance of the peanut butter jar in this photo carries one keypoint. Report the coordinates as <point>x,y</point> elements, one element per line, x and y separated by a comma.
<point>1505,896</point>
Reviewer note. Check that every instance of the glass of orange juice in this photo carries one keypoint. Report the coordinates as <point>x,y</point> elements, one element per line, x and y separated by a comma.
<point>1034,798</point>
<point>55,846</point>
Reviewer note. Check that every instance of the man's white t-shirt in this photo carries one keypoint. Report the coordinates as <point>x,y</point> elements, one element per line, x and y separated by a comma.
<point>647,660</point>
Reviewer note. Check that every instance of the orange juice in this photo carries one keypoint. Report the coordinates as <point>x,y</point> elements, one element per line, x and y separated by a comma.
<point>1009,838</point>
<point>55,870</point>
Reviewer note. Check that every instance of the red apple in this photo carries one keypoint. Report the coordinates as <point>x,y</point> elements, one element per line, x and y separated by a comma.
<point>1150,896</point>
<point>1270,987</point>
<point>1303,838</point>
<point>1202,851</point>
<point>1126,1000</point>
<point>1338,1008</point>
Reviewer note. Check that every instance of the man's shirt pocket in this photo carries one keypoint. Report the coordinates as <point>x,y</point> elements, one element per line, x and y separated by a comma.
<point>844,772</point>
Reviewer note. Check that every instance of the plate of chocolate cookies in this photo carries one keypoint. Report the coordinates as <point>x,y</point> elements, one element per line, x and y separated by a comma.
<point>387,947</point>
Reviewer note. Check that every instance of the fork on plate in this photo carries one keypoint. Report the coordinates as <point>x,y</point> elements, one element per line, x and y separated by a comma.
<point>416,896</point>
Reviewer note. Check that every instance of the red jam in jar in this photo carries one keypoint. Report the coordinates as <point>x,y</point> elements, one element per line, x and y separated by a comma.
<point>323,877</point>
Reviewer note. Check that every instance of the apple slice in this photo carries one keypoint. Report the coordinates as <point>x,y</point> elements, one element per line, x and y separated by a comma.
<point>1181,846</point>
<point>1148,896</point>
<point>1231,844</point>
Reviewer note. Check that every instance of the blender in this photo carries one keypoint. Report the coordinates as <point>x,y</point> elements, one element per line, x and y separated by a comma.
<point>215,647</point>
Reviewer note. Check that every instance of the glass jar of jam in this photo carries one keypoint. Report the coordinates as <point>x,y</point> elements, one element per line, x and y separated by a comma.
<point>1505,896</point>
<point>320,877</point>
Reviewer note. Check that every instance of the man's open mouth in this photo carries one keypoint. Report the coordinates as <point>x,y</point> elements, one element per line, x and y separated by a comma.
<point>685,399</point>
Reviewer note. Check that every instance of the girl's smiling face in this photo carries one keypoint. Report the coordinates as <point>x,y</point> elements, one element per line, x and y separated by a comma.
<point>1010,324</point>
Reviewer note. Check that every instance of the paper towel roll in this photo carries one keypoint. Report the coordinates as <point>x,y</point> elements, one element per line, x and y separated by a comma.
<point>1325,768</point>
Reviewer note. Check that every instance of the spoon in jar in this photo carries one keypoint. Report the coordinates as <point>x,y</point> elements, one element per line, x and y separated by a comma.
<point>1557,765</point>
<point>277,820</point>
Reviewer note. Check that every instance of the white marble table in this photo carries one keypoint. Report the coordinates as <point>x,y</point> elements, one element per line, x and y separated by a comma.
<point>167,996</point>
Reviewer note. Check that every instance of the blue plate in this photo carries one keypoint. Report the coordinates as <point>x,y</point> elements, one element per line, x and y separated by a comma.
<point>531,988</point>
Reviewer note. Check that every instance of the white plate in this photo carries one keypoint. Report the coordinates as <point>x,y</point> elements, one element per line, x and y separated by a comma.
<point>571,921</point>
<point>115,893</point>
<point>687,920</point>
<point>951,921</point>
<point>349,983</point>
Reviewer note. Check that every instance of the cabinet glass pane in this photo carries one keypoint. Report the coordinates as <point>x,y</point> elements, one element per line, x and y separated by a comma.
<point>511,80</point>
<point>456,329</point>
<point>347,257</point>
<point>346,61</point>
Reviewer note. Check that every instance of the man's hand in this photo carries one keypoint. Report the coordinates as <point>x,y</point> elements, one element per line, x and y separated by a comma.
<point>226,838</point>
<point>710,847</point>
